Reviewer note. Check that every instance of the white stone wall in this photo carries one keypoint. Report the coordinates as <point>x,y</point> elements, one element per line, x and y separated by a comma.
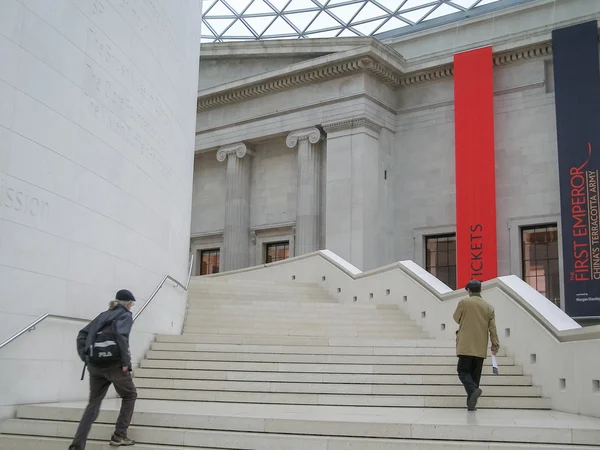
<point>273,194</point>
<point>97,120</point>
<point>210,188</point>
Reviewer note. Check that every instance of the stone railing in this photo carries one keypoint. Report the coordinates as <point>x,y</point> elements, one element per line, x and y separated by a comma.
<point>562,357</point>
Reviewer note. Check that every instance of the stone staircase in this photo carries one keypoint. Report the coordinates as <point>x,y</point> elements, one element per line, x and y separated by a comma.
<point>278,366</point>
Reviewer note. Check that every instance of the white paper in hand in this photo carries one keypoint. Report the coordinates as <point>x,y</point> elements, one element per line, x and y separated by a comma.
<point>494,365</point>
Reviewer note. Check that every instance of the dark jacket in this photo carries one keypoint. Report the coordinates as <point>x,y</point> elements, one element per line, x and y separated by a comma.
<point>123,321</point>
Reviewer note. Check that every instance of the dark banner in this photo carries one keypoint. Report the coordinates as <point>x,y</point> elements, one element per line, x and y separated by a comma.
<point>577,86</point>
<point>476,254</point>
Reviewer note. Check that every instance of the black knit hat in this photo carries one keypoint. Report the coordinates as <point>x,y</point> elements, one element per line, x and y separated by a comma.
<point>125,295</point>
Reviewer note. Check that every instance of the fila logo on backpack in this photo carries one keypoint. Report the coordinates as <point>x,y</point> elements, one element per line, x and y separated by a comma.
<point>104,350</point>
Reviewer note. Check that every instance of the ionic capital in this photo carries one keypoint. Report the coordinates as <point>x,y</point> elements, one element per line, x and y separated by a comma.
<point>240,150</point>
<point>311,135</point>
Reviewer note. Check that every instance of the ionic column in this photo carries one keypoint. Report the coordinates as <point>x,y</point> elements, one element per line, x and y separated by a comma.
<point>237,206</point>
<point>307,214</point>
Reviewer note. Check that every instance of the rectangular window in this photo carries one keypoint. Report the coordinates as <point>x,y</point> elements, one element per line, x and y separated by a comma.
<point>539,252</point>
<point>277,251</point>
<point>210,261</point>
<point>440,258</point>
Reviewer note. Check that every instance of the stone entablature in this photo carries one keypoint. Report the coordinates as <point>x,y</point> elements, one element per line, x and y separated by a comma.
<point>370,61</point>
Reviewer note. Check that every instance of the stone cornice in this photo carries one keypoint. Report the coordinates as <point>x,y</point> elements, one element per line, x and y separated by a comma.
<point>355,122</point>
<point>361,64</point>
<point>239,149</point>
<point>536,51</point>
<point>385,65</point>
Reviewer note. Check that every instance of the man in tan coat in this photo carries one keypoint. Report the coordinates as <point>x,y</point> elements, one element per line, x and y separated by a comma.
<point>475,318</point>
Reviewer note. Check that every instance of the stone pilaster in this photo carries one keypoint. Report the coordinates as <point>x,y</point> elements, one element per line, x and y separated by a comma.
<point>354,182</point>
<point>236,236</point>
<point>308,206</point>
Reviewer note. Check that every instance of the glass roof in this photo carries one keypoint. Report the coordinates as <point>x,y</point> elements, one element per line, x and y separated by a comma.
<point>242,20</point>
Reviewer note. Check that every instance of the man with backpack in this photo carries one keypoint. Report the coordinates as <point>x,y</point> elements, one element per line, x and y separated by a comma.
<point>104,346</point>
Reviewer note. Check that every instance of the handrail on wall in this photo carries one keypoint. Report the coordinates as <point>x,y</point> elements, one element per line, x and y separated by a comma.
<point>166,278</point>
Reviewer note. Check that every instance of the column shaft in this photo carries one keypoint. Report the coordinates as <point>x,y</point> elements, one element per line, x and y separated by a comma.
<point>308,206</point>
<point>236,236</point>
<point>307,215</point>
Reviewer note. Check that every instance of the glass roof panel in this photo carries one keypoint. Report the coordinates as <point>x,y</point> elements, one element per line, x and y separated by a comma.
<point>464,3</point>
<point>238,5</point>
<point>259,24</point>
<point>393,24</point>
<point>323,22</point>
<point>280,4</point>
<point>347,33</point>
<point>298,5</point>
<point>370,11</point>
<point>280,27</point>
<point>238,29</point>
<point>442,10</point>
<point>416,15</point>
<point>220,25</point>
<point>368,28</point>
<point>258,7</point>
<point>347,12</point>
<point>325,34</point>
<point>321,18</point>
<point>301,20</point>
<point>219,9</point>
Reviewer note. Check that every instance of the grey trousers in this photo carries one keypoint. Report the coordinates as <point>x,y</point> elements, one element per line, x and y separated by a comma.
<point>100,380</point>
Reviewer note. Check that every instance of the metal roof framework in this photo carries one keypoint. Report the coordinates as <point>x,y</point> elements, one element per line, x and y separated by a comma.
<point>243,20</point>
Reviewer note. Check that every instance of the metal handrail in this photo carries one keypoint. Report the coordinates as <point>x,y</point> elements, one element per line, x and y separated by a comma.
<point>33,324</point>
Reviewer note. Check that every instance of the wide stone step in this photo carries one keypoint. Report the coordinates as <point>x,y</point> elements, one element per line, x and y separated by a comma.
<point>532,426</point>
<point>261,324</point>
<point>403,401</point>
<point>334,388</point>
<point>305,330</point>
<point>249,441</point>
<point>308,349</point>
<point>232,297</point>
<point>182,374</point>
<point>257,285</point>
<point>298,319</point>
<point>398,334</point>
<point>384,369</point>
<point>313,359</point>
<point>304,341</point>
<point>285,317</point>
<point>257,305</point>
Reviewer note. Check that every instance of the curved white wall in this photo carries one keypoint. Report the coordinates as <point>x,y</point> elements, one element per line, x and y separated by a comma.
<point>97,124</point>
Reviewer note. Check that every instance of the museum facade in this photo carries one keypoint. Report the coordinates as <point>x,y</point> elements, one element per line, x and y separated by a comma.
<point>353,145</point>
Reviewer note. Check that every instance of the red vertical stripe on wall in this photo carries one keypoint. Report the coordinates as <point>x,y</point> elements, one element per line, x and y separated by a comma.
<point>476,251</point>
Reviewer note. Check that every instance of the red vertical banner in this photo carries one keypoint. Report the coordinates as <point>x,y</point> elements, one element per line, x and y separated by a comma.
<point>476,250</point>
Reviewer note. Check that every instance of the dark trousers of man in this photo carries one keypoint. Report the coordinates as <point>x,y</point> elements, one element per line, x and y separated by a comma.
<point>469,372</point>
<point>100,381</point>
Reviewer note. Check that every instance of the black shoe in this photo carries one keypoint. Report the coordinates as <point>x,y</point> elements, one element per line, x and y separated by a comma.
<point>118,441</point>
<point>472,400</point>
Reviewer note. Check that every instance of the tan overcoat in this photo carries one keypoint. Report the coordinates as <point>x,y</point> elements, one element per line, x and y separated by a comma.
<point>475,318</point>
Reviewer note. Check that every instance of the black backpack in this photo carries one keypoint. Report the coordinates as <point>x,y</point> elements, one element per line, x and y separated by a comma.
<point>104,350</point>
